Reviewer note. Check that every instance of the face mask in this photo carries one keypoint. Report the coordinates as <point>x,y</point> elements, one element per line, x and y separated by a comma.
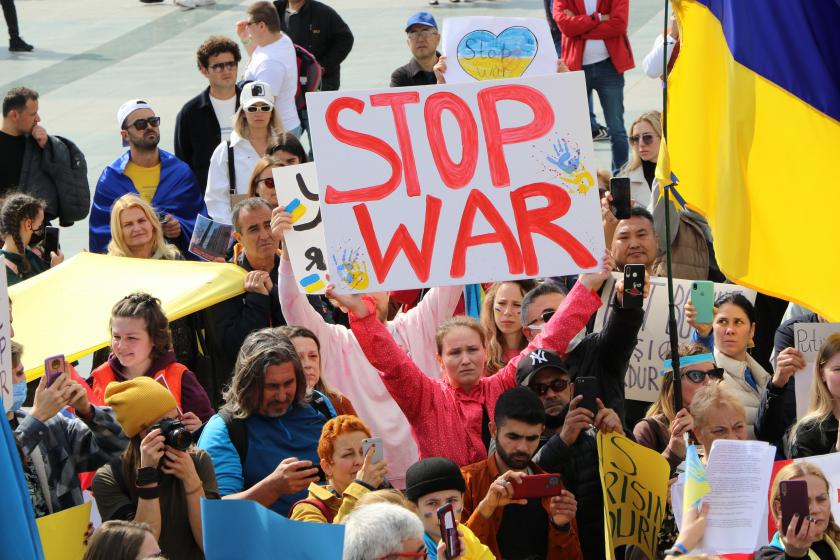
<point>37,236</point>
<point>18,395</point>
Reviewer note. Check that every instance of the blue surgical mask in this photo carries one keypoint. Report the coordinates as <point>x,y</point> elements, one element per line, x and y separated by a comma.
<point>18,395</point>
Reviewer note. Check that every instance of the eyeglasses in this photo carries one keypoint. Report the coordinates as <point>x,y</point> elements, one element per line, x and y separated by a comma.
<point>269,182</point>
<point>697,376</point>
<point>220,66</point>
<point>646,138</point>
<point>259,108</point>
<point>250,23</point>
<point>542,388</point>
<point>420,553</point>
<point>425,33</point>
<point>141,124</point>
<point>545,316</point>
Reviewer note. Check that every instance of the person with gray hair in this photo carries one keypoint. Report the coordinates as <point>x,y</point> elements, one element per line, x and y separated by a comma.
<point>381,531</point>
<point>265,409</point>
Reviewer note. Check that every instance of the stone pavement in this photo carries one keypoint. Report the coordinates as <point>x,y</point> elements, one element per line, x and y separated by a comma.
<point>91,56</point>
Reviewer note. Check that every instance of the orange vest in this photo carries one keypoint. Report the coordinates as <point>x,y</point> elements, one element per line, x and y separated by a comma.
<point>169,377</point>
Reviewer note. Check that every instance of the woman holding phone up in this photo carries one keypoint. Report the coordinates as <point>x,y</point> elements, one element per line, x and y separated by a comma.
<point>22,225</point>
<point>449,417</point>
<point>351,472</point>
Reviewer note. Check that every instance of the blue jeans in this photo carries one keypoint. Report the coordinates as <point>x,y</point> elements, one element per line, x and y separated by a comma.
<point>603,78</point>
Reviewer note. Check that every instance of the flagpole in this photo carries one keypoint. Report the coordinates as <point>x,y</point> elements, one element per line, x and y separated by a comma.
<point>672,315</point>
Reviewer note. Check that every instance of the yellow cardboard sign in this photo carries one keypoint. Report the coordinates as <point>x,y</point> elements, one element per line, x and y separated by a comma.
<point>63,533</point>
<point>634,480</point>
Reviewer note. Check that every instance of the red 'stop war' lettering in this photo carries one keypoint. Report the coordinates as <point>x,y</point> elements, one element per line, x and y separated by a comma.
<point>397,102</point>
<point>366,142</point>
<point>496,137</point>
<point>454,176</point>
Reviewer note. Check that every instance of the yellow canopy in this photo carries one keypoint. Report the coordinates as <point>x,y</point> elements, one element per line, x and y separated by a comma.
<point>65,310</point>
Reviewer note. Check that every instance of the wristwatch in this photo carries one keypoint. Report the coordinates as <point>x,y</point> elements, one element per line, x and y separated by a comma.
<point>146,476</point>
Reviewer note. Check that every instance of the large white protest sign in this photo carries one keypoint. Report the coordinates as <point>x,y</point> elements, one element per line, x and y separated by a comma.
<point>808,337</point>
<point>297,191</point>
<point>457,184</point>
<point>482,48</point>
<point>6,380</point>
<point>642,380</point>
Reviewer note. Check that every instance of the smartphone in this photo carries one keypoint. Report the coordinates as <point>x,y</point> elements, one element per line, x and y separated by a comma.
<point>620,191</point>
<point>703,299</point>
<point>378,453</point>
<point>54,367</point>
<point>794,497</point>
<point>634,286</point>
<point>537,486</point>
<point>589,388</point>
<point>50,242</point>
<point>449,531</point>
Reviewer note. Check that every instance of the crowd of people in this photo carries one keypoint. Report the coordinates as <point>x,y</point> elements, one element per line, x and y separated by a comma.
<point>375,411</point>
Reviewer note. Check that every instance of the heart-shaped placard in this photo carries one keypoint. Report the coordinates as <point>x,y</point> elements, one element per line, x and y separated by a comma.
<point>487,56</point>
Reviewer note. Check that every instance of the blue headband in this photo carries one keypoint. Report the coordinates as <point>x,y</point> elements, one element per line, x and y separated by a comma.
<point>688,360</point>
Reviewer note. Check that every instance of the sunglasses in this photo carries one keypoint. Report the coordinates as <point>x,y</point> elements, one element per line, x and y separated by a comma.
<point>697,376</point>
<point>545,316</point>
<point>269,182</point>
<point>646,138</point>
<point>259,108</point>
<point>542,388</point>
<point>219,66</point>
<point>141,124</point>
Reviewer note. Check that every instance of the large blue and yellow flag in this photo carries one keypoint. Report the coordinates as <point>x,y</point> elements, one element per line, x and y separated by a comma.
<point>754,135</point>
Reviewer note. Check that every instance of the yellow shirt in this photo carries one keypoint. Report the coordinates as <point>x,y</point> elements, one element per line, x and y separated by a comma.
<point>145,179</point>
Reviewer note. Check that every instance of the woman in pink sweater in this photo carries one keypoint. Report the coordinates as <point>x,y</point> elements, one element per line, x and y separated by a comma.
<point>448,415</point>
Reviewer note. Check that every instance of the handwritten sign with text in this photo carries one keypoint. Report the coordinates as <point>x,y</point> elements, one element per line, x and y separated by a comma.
<point>457,184</point>
<point>492,48</point>
<point>634,480</point>
<point>808,338</point>
<point>297,191</point>
<point>642,381</point>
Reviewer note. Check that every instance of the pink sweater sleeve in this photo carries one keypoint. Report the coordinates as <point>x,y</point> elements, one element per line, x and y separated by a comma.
<point>570,318</point>
<point>413,391</point>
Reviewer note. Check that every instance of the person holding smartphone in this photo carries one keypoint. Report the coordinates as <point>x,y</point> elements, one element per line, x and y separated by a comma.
<point>22,225</point>
<point>814,535</point>
<point>431,484</point>
<point>351,472</point>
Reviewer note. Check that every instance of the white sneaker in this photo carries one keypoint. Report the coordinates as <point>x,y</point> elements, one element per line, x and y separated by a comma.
<point>185,3</point>
<point>204,2</point>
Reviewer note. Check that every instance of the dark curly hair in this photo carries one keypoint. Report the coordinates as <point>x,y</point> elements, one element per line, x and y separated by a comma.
<point>143,306</point>
<point>16,208</point>
<point>215,45</point>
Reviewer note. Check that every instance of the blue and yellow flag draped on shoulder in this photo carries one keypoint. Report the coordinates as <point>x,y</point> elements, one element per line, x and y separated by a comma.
<point>754,135</point>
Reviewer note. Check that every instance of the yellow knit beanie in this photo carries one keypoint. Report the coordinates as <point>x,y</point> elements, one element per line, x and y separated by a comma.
<point>137,403</point>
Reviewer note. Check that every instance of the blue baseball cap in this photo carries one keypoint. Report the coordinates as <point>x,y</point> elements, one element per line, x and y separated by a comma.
<point>421,18</point>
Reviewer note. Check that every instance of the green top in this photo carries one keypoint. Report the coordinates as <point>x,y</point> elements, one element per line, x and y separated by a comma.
<point>14,266</point>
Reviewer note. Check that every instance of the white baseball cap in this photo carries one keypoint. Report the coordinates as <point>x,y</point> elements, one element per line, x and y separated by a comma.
<point>256,92</point>
<point>129,107</point>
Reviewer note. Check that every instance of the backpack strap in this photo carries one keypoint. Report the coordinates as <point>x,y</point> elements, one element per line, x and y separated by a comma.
<point>231,168</point>
<point>322,507</point>
<point>238,434</point>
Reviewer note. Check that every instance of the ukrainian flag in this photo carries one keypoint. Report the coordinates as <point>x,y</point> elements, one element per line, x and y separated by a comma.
<point>754,135</point>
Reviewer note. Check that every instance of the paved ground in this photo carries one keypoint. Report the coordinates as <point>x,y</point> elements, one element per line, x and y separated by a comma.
<point>91,56</point>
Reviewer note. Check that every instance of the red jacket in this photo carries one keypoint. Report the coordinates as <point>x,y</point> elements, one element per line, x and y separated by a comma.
<point>578,28</point>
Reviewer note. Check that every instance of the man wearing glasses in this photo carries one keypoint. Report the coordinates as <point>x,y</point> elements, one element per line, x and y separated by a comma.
<point>160,178</point>
<point>423,39</point>
<point>273,60</point>
<point>206,120</point>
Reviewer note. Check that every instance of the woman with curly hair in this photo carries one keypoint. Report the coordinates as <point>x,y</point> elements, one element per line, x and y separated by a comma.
<point>22,226</point>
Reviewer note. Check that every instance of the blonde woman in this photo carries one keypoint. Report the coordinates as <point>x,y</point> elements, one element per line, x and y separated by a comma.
<point>818,537</point>
<point>137,232</point>
<point>501,322</point>
<point>816,433</point>
<point>718,414</point>
<point>254,123</point>
<point>645,138</point>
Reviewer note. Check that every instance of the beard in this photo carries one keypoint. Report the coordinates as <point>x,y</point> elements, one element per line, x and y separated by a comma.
<point>516,461</point>
<point>145,143</point>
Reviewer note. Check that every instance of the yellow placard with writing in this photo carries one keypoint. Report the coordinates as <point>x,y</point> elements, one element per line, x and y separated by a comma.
<point>63,533</point>
<point>634,480</point>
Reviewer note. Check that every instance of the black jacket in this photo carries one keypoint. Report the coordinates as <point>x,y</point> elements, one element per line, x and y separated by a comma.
<point>319,29</point>
<point>197,134</point>
<point>606,355</point>
<point>57,174</point>
<point>814,438</point>
<point>412,74</point>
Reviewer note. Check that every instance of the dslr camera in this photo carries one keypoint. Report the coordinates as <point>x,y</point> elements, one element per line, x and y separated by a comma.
<point>175,435</point>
